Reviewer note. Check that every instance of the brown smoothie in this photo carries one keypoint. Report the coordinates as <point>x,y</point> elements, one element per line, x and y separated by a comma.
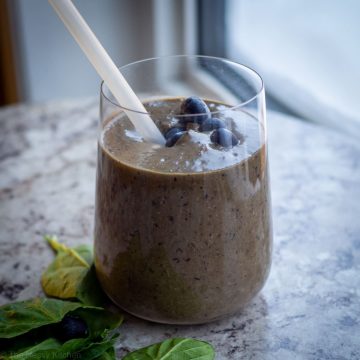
<point>182,233</point>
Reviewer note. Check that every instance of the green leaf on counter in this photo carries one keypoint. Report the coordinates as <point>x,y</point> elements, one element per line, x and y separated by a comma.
<point>99,321</point>
<point>77,348</point>
<point>34,351</point>
<point>89,291</point>
<point>86,253</point>
<point>65,273</point>
<point>107,355</point>
<point>29,329</point>
<point>72,275</point>
<point>174,349</point>
<point>83,254</point>
<point>33,321</point>
<point>20,317</point>
<point>98,350</point>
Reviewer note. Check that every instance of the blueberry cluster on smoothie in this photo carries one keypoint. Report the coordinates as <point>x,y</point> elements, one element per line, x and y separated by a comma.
<point>194,111</point>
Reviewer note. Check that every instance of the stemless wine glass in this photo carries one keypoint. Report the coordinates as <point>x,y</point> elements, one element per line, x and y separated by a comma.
<point>191,244</point>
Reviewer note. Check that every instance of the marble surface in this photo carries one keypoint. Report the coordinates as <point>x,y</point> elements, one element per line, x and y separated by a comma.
<point>310,306</point>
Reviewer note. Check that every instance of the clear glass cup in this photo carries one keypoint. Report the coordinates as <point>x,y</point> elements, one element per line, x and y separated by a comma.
<point>184,246</point>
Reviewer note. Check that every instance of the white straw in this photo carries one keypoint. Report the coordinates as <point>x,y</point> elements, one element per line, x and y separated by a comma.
<point>107,69</point>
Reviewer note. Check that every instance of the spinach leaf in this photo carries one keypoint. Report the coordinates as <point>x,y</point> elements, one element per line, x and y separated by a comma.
<point>89,291</point>
<point>29,329</point>
<point>107,355</point>
<point>34,352</point>
<point>98,349</point>
<point>20,317</point>
<point>72,275</point>
<point>86,252</point>
<point>65,273</point>
<point>174,349</point>
<point>24,341</point>
<point>78,348</point>
<point>99,321</point>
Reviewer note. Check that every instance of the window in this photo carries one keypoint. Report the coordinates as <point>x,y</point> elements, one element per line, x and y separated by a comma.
<point>307,52</point>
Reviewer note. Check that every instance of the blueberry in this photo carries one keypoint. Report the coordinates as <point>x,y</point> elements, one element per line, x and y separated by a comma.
<point>224,137</point>
<point>72,327</point>
<point>191,106</point>
<point>211,124</point>
<point>172,140</point>
<point>172,131</point>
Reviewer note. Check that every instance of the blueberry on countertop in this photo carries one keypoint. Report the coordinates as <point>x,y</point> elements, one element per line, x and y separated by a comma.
<point>193,105</point>
<point>211,124</point>
<point>173,139</point>
<point>172,131</point>
<point>71,327</point>
<point>224,138</point>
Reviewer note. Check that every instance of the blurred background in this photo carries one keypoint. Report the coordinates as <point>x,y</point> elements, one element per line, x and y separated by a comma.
<point>307,51</point>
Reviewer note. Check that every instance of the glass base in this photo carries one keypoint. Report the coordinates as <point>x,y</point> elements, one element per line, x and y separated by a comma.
<point>188,323</point>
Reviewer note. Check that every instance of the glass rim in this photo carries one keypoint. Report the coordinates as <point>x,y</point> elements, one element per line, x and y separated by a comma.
<point>239,105</point>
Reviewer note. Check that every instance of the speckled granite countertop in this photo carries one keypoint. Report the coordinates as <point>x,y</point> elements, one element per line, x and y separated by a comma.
<point>310,306</point>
